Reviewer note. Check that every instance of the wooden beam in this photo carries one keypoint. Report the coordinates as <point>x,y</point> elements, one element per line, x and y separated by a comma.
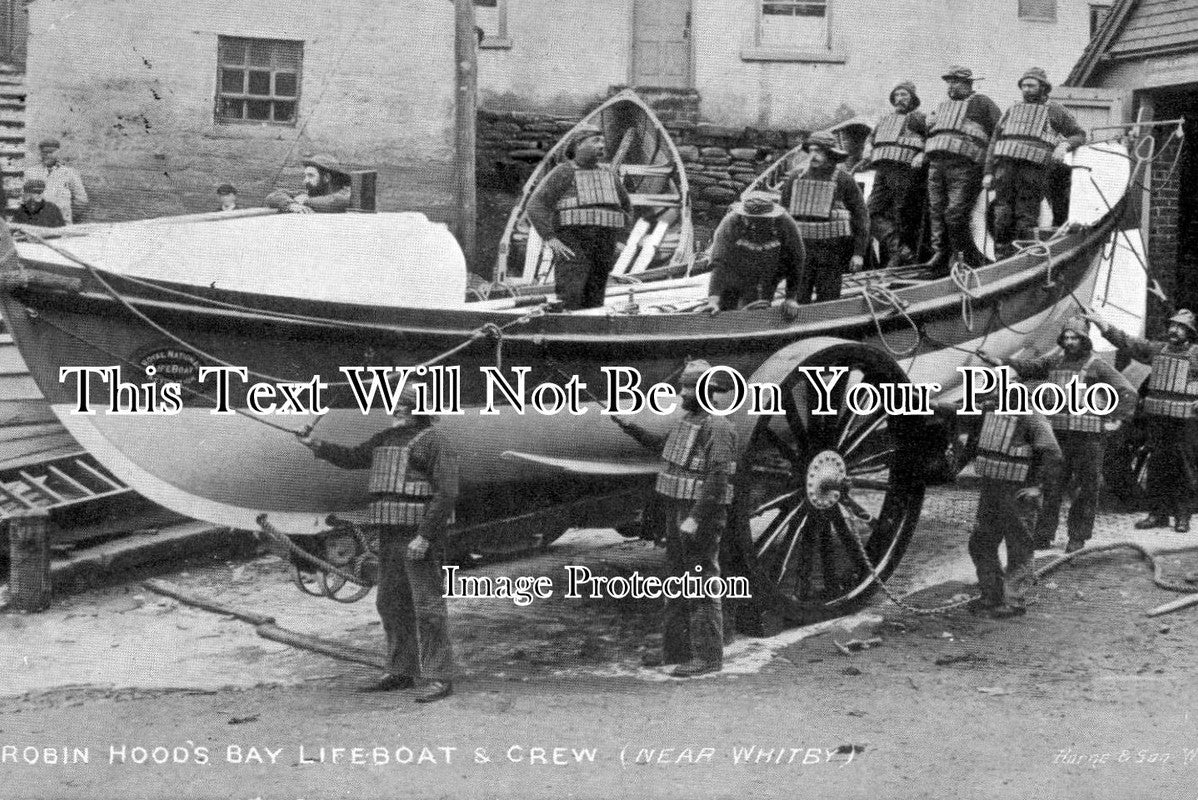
<point>465,101</point>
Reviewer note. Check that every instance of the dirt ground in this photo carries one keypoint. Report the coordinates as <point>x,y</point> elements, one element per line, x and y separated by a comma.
<point>1084,697</point>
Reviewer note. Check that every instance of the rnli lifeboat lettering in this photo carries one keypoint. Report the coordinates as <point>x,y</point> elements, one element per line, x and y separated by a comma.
<point>171,365</point>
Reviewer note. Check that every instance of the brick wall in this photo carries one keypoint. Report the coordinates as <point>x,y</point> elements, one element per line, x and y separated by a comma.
<point>1163,233</point>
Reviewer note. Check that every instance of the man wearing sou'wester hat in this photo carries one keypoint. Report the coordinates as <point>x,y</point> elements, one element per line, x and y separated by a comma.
<point>695,488</point>
<point>326,189</point>
<point>756,246</point>
<point>828,206</point>
<point>896,155</point>
<point>1172,410</point>
<point>1031,136</point>
<point>958,134</point>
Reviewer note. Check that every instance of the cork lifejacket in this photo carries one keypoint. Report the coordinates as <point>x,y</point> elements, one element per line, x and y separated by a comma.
<point>1001,456</point>
<point>953,133</point>
<point>1063,420</point>
<point>895,142</point>
<point>686,465</point>
<point>593,200</point>
<point>1027,134</point>
<point>399,493</point>
<point>1172,387</point>
<point>817,210</point>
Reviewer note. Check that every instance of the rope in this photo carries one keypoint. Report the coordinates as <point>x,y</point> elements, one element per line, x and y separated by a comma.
<point>279,538</point>
<point>966,280</point>
<point>886,296</point>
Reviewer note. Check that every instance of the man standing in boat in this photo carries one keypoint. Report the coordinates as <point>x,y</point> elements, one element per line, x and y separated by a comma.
<point>833,220</point>
<point>756,246</point>
<point>896,154</point>
<point>1031,137</point>
<point>413,490</point>
<point>1082,437</point>
<point>325,190</point>
<point>1172,410</point>
<point>695,487</point>
<point>580,210</point>
<point>958,134</point>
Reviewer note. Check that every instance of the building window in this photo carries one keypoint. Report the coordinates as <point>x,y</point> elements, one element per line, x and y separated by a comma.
<point>1098,15</point>
<point>257,80</point>
<point>491,18</point>
<point>1038,10</point>
<point>793,24</point>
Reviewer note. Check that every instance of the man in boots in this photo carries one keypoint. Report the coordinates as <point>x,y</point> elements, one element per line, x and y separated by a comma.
<point>1032,137</point>
<point>958,134</point>
<point>413,490</point>
<point>1172,410</point>
<point>833,219</point>
<point>695,488</point>
<point>896,147</point>
<point>1082,438</point>
<point>580,209</point>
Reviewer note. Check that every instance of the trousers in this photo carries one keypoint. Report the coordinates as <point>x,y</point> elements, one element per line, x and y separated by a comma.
<point>1082,465</point>
<point>890,205</point>
<point>827,260</point>
<point>953,186</point>
<point>1002,519</point>
<point>1173,466</point>
<point>693,628</point>
<point>581,281</point>
<point>411,603</point>
<point>1019,186</point>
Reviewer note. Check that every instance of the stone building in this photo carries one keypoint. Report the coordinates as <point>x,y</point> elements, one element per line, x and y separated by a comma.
<point>1147,54</point>
<point>157,102</point>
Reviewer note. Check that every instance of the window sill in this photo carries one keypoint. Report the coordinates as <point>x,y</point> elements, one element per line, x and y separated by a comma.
<point>495,43</point>
<point>796,56</point>
<point>1037,19</point>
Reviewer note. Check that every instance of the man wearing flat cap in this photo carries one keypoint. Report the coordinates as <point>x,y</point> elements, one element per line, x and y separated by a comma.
<point>830,211</point>
<point>695,488</point>
<point>325,191</point>
<point>959,133</point>
<point>62,185</point>
<point>413,491</point>
<point>756,246</point>
<point>580,210</point>
<point>1030,138</point>
<point>34,210</point>
<point>896,154</point>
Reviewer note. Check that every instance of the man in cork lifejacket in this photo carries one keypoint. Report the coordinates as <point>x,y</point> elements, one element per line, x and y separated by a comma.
<point>1172,411</point>
<point>896,154</point>
<point>580,210</point>
<point>695,488</point>
<point>827,204</point>
<point>958,134</point>
<point>1082,437</point>
<point>1017,458</point>
<point>413,490</point>
<point>1030,138</point>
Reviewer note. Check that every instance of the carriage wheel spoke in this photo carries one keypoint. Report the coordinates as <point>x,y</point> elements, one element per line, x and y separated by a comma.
<point>849,541</point>
<point>863,436</point>
<point>875,462</point>
<point>772,531</point>
<point>777,502</point>
<point>797,532</point>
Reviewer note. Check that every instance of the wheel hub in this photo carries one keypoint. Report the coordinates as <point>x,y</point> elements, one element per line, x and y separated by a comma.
<point>825,479</point>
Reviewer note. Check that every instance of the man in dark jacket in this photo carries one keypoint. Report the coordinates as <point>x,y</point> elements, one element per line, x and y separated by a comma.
<point>34,210</point>
<point>756,246</point>
<point>413,490</point>
<point>1082,437</point>
<point>896,152</point>
<point>827,204</point>
<point>1029,139</point>
<point>958,134</point>
<point>326,189</point>
<point>1172,410</point>
<point>580,209</point>
<point>695,487</point>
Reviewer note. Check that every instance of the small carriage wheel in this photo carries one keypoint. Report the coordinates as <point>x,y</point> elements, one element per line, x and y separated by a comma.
<point>825,502</point>
<point>308,582</point>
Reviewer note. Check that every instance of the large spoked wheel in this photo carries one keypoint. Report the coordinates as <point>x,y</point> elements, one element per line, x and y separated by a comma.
<point>824,500</point>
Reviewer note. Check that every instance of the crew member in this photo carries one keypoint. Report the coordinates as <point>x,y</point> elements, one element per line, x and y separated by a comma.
<point>958,134</point>
<point>833,220</point>
<point>326,189</point>
<point>1171,407</point>
<point>1082,437</point>
<point>413,489</point>
<point>700,455</point>
<point>64,187</point>
<point>580,210</point>
<point>34,210</point>
<point>1017,459</point>
<point>1031,137</point>
<point>227,194</point>
<point>895,144</point>
<point>756,246</point>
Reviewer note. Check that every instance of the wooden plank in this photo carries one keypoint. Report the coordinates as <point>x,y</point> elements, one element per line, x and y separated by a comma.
<point>647,170</point>
<point>39,484</point>
<point>532,253</point>
<point>656,200</point>
<point>67,479</point>
<point>649,247</point>
<point>95,473</point>
<point>16,498</point>
<point>630,247</point>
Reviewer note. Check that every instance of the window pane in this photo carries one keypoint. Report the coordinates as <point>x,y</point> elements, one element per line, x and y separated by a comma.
<point>284,112</point>
<point>258,109</point>
<point>284,84</point>
<point>1038,9</point>
<point>259,82</point>
<point>232,80</point>
<point>260,50</point>
<point>232,51</point>
<point>287,55</point>
<point>486,3</point>
<point>788,8</point>
<point>232,109</point>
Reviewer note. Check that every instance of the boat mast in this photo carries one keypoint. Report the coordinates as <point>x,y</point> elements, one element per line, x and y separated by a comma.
<point>466,93</point>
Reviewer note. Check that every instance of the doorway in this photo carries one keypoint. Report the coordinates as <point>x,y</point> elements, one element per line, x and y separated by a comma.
<point>661,48</point>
